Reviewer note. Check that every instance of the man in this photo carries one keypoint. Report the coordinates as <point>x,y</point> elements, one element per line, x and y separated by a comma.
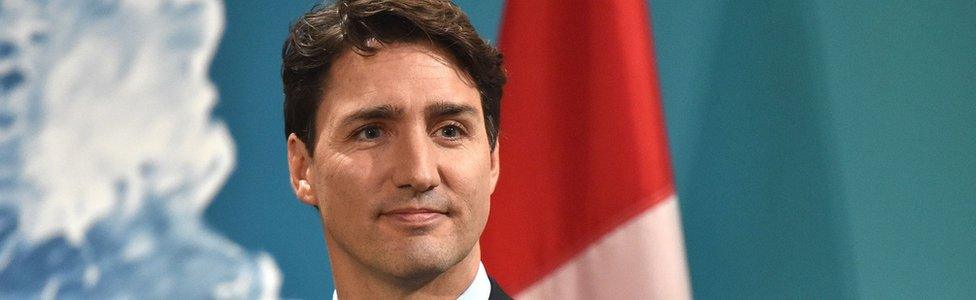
<point>391,117</point>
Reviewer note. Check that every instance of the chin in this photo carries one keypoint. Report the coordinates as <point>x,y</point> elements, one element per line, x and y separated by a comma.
<point>425,261</point>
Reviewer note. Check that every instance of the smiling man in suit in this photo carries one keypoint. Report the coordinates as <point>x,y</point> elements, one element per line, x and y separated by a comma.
<point>391,117</point>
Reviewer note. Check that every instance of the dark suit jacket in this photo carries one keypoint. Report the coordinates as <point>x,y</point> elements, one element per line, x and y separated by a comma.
<point>496,291</point>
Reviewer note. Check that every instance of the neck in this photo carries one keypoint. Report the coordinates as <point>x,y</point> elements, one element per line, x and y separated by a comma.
<point>354,281</point>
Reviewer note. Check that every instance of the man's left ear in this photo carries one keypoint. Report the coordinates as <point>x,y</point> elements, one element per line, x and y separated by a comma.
<point>495,166</point>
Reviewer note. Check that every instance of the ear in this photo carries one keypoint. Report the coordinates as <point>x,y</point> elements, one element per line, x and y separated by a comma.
<point>495,165</point>
<point>299,163</point>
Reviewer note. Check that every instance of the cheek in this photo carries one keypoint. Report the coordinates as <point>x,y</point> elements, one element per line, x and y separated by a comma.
<point>469,176</point>
<point>345,185</point>
<point>472,187</point>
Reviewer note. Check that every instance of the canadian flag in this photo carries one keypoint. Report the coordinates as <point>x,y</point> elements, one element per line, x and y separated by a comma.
<point>585,207</point>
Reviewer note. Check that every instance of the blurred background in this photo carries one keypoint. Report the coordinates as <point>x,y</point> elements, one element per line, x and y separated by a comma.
<point>822,149</point>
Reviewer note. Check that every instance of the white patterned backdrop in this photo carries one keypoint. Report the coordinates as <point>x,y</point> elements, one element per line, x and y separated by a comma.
<point>109,154</point>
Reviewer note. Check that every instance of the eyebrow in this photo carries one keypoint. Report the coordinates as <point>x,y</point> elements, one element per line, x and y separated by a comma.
<point>447,109</point>
<point>378,112</point>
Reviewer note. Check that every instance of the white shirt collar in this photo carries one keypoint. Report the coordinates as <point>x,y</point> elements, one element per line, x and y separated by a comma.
<point>479,289</point>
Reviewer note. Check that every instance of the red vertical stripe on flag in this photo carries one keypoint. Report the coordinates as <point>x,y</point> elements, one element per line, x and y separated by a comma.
<point>583,146</point>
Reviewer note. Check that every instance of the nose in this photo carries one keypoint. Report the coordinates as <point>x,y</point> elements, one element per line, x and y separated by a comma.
<point>415,163</point>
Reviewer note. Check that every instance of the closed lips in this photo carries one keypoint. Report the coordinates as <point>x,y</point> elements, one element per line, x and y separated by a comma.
<point>414,215</point>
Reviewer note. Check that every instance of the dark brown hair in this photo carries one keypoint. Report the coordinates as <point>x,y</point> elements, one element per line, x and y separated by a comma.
<point>319,36</point>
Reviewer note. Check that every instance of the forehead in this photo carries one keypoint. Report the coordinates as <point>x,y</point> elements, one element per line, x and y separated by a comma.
<point>405,75</point>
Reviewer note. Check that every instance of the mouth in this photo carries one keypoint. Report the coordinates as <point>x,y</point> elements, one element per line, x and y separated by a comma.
<point>414,217</point>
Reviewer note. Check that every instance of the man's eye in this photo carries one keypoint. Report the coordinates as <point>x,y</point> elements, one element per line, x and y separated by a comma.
<point>451,132</point>
<point>369,133</point>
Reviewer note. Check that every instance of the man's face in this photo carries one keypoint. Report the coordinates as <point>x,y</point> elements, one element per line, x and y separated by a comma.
<point>401,171</point>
